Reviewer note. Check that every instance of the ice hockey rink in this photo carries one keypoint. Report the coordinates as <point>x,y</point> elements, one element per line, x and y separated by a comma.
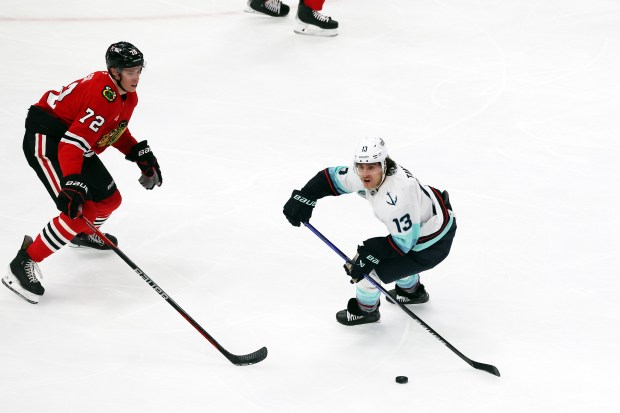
<point>510,106</point>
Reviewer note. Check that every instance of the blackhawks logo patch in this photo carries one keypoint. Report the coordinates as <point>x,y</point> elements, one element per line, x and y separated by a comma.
<point>109,94</point>
<point>111,137</point>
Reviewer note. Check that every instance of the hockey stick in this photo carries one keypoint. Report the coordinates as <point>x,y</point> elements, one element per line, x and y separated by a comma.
<point>480,366</point>
<point>237,360</point>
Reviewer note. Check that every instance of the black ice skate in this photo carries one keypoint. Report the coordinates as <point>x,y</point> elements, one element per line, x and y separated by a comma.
<point>23,275</point>
<point>273,8</point>
<point>418,296</point>
<point>93,241</point>
<point>354,315</point>
<point>313,23</point>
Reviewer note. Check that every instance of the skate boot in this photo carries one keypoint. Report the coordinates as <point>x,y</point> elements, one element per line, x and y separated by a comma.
<point>354,315</point>
<point>313,23</point>
<point>418,296</point>
<point>273,8</point>
<point>23,275</point>
<point>93,241</point>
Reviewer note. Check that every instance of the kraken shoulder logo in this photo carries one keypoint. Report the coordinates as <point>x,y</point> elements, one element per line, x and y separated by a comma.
<point>109,94</point>
<point>392,200</point>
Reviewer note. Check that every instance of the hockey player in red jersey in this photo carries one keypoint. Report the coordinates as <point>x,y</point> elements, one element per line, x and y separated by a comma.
<point>65,132</point>
<point>309,19</point>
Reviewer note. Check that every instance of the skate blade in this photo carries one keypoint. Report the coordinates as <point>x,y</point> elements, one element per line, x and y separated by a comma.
<point>72,245</point>
<point>310,30</point>
<point>86,247</point>
<point>252,11</point>
<point>390,300</point>
<point>17,289</point>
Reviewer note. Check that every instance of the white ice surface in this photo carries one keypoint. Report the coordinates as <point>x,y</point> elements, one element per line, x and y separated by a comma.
<point>511,106</point>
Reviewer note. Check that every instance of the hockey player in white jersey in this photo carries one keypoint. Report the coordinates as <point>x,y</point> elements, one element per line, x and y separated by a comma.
<point>418,218</point>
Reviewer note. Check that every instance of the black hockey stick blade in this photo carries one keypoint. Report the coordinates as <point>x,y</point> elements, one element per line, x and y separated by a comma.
<point>486,367</point>
<point>480,366</point>
<point>242,360</point>
<point>247,359</point>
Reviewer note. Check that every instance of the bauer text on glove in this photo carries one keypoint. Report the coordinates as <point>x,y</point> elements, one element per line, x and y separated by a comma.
<point>142,155</point>
<point>72,195</point>
<point>363,264</point>
<point>299,208</point>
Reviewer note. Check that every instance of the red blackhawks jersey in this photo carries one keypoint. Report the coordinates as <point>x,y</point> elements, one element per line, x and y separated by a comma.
<point>97,116</point>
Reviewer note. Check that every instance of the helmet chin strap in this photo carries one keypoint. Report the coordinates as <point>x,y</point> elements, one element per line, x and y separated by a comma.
<point>120,79</point>
<point>383,175</point>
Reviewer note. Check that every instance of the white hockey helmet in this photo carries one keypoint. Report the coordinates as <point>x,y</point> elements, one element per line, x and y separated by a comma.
<point>370,150</point>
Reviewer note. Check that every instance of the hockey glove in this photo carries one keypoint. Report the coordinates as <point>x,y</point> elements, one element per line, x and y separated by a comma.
<point>142,155</point>
<point>299,208</point>
<point>72,195</point>
<point>363,263</point>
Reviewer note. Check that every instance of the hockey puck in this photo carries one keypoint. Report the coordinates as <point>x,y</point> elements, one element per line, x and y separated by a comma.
<point>401,379</point>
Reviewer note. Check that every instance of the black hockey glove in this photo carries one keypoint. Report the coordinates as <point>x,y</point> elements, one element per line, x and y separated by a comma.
<point>72,195</point>
<point>142,155</point>
<point>299,208</point>
<point>362,264</point>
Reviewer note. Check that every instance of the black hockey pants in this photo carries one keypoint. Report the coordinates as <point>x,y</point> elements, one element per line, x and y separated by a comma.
<point>43,134</point>
<point>416,261</point>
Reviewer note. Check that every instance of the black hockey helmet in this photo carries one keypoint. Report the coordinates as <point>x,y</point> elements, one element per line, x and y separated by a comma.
<point>122,55</point>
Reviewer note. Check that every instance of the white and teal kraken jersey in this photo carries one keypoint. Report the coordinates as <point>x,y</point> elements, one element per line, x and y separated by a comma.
<point>414,214</point>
